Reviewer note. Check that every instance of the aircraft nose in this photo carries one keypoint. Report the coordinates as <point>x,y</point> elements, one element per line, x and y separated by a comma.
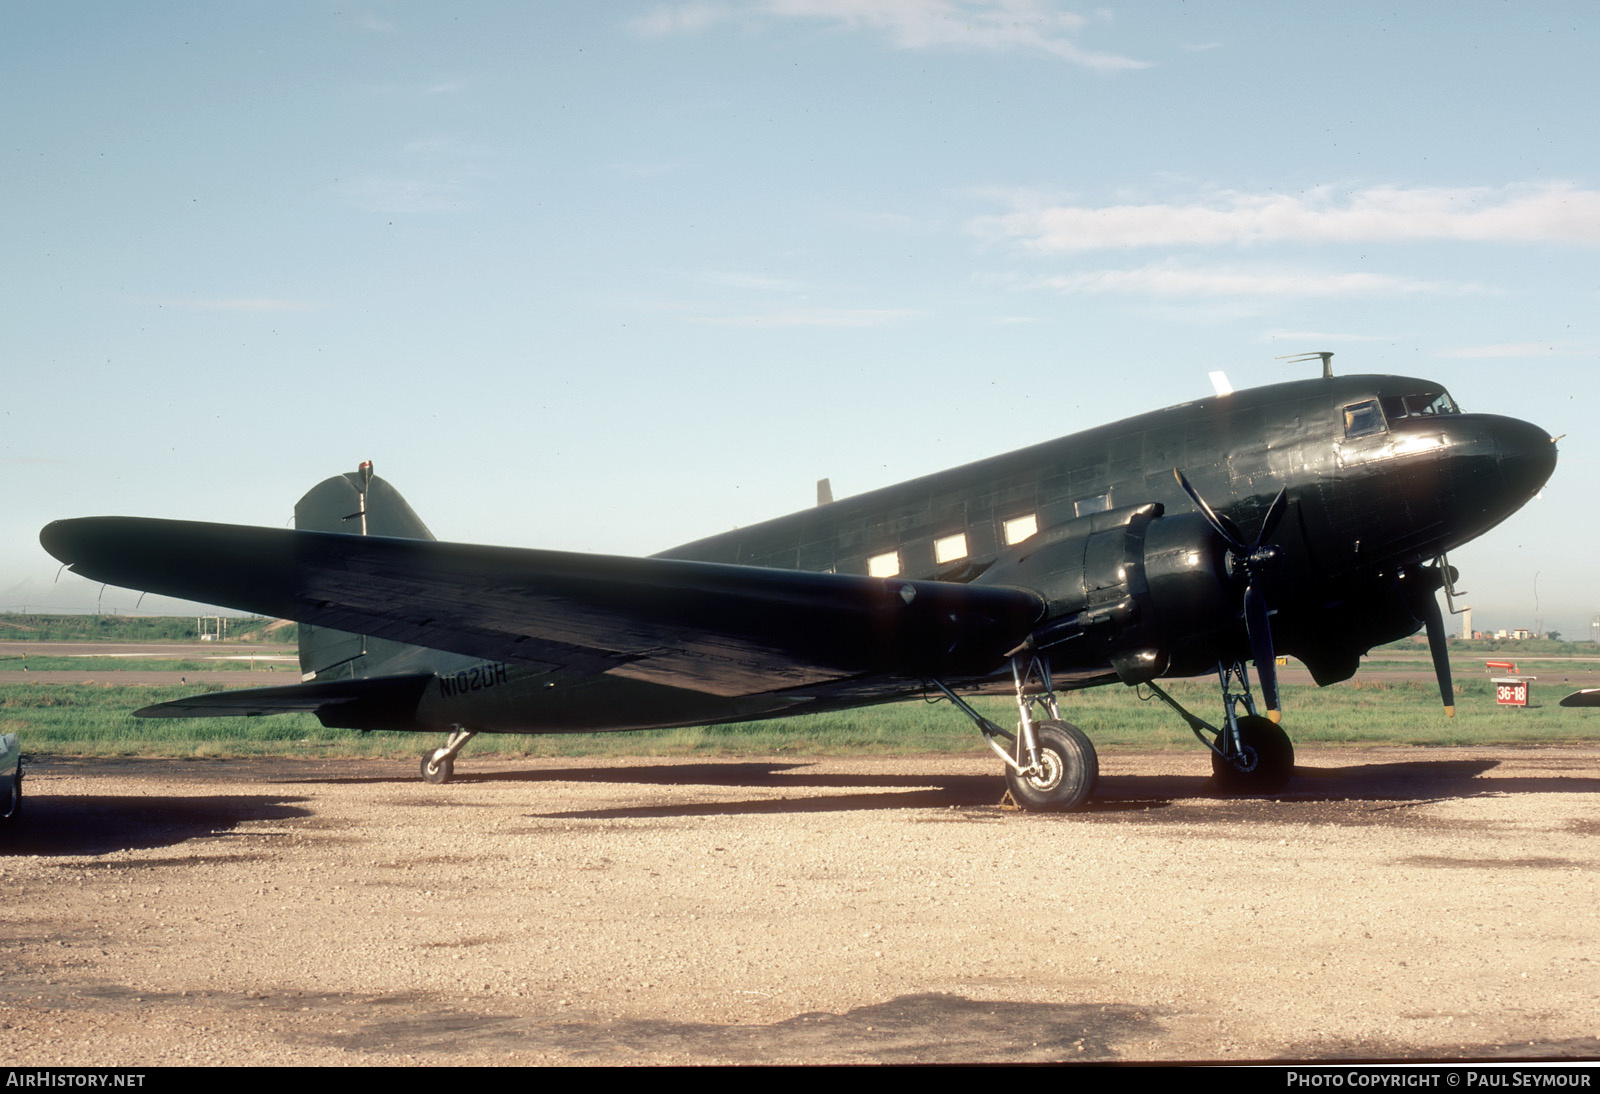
<point>1526,455</point>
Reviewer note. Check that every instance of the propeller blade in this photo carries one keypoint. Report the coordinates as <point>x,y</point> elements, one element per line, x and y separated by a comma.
<point>1224,527</point>
<point>1259,628</point>
<point>1433,619</point>
<point>1251,561</point>
<point>1275,511</point>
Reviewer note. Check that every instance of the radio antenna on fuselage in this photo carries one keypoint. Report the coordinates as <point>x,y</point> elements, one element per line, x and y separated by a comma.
<point>1327,360</point>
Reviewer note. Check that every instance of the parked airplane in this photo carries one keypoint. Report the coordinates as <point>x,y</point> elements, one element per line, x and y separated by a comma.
<point>1310,517</point>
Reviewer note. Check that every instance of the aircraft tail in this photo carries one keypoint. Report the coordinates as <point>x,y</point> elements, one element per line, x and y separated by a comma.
<point>355,503</point>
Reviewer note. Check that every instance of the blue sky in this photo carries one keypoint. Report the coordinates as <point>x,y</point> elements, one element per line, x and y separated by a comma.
<point>616,276</point>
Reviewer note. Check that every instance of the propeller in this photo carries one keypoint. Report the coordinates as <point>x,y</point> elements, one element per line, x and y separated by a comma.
<point>1253,560</point>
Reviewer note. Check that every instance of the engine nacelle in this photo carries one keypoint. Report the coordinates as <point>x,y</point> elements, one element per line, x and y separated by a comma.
<point>1152,591</point>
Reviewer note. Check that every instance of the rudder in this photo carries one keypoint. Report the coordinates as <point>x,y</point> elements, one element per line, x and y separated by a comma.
<point>354,503</point>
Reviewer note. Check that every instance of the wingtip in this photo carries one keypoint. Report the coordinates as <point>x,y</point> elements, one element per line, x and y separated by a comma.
<point>88,540</point>
<point>57,538</point>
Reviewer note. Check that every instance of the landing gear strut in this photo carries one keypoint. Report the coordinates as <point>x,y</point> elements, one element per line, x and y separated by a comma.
<point>440,764</point>
<point>1050,764</point>
<point>1249,754</point>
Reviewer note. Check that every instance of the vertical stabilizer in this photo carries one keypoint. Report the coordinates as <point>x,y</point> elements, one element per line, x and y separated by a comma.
<point>355,503</point>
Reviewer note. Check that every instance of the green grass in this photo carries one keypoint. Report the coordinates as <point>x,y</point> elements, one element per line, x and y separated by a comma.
<point>97,720</point>
<point>141,664</point>
<point>134,628</point>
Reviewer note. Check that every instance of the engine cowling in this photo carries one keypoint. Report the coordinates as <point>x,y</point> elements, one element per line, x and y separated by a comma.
<point>1149,592</point>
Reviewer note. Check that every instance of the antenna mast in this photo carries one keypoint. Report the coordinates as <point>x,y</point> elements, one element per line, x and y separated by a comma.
<point>1327,360</point>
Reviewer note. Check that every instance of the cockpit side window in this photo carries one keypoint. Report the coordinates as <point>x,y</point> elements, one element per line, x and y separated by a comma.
<point>1432,402</point>
<point>1363,419</point>
<point>1423,404</point>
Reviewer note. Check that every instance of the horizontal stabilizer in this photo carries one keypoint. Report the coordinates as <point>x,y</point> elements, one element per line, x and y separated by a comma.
<point>336,698</point>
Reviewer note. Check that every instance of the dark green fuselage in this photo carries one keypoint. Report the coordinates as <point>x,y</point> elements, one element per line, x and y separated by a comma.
<point>1382,474</point>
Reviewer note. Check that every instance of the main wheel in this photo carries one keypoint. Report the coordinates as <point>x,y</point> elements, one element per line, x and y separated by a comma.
<point>437,771</point>
<point>1268,753</point>
<point>1069,770</point>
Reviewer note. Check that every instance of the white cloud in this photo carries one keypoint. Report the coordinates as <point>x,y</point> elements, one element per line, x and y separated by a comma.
<point>373,23</point>
<point>427,175</point>
<point>1171,280</point>
<point>816,317</point>
<point>1027,26</point>
<point>681,18</point>
<point>393,194</point>
<point>1560,213</point>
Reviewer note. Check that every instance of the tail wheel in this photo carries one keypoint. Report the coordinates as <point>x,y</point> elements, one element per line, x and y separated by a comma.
<point>1067,771</point>
<point>1265,763</point>
<point>436,770</point>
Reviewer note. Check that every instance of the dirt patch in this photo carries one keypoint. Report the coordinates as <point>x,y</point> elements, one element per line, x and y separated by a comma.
<point>1392,903</point>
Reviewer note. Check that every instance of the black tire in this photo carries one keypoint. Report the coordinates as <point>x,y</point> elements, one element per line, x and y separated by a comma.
<point>11,795</point>
<point>437,772</point>
<point>1273,752</point>
<point>1071,769</point>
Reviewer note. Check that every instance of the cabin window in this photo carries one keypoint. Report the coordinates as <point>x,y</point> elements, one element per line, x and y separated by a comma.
<point>950,548</point>
<point>1363,419</point>
<point>884,565</point>
<point>1019,528</point>
<point>1098,504</point>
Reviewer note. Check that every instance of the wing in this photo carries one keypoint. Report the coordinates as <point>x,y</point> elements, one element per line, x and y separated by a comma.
<point>721,629</point>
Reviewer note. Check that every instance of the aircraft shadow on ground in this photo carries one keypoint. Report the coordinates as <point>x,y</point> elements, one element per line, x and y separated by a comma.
<point>54,826</point>
<point>1358,794</point>
<point>1365,788</point>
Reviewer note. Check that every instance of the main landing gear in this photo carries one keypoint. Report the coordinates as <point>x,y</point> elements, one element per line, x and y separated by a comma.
<point>1050,764</point>
<point>1249,754</point>
<point>440,764</point>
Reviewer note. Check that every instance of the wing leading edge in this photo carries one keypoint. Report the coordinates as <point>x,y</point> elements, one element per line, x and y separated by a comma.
<point>720,629</point>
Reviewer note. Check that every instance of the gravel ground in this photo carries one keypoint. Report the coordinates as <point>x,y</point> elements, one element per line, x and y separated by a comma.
<point>1394,903</point>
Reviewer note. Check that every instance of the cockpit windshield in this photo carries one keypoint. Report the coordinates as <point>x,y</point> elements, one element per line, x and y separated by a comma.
<point>1373,416</point>
<point>1423,404</point>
